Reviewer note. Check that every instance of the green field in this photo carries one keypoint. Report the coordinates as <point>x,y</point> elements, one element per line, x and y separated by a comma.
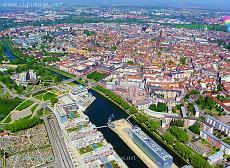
<point>7,105</point>
<point>96,76</point>
<point>60,72</point>
<point>86,149</point>
<point>34,108</point>
<point>24,105</point>
<point>1,89</point>
<point>39,96</point>
<point>39,93</point>
<point>48,96</point>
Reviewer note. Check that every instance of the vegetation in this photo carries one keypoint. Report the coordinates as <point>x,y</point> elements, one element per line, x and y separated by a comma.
<point>180,134</point>
<point>39,93</point>
<point>10,84</point>
<point>7,105</point>
<point>89,33</point>
<point>191,107</point>
<point>195,128</point>
<point>24,105</point>
<point>86,149</point>
<point>130,62</point>
<point>188,154</point>
<point>22,124</point>
<point>96,76</point>
<point>53,100</point>
<point>34,108</point>
<point>216,27</point>
<point>60,72</point>
<point>160,107</point>
<point>153,125</point>
<point>120,101</point>
<point>222,43</point>
<point>183,60</point>
<point>169,138</point>
<point>208,103</point>
<point>222,98</point>
<point>2,54</point>
<point>49,96</point>
<point>177,122</point>
<point>227,140</point>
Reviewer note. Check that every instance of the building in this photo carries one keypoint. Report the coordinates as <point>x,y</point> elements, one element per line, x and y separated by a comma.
<point>64,111</point>
<point>25,78</point>
<point>151,148</point>
<point>218,156</point>
<point>219,125</point>
<point>215,141</point>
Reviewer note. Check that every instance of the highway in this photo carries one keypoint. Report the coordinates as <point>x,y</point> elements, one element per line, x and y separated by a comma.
<point>61,153</point>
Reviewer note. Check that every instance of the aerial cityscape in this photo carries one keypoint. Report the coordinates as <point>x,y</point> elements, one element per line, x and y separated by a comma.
<point>115,84</point>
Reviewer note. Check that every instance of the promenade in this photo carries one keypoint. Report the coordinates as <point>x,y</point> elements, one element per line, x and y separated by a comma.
<point>121,129</point>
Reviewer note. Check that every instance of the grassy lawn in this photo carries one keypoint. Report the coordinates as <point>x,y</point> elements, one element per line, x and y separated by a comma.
<point>60,72</point>
<point>7,105</point>
<point>1,89</point>
<point>39,97</point>
<point>96,76</point>
<point>48,96</point>
<point>86,149</point>
<point>29,88</point>
<point>114,163</point>
<point>7,119</point>
<point>99,144</point>
<point>71,84</point>
<point>24,105</point>
<point>39,93</point>
<point>34,108</point>
<point>73,129</point>
<point>6,95</point>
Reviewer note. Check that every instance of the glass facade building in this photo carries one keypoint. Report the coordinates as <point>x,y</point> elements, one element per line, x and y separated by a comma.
<point>151,148</point>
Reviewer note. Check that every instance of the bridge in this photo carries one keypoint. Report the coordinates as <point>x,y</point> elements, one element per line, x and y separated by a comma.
<point>109,123</point>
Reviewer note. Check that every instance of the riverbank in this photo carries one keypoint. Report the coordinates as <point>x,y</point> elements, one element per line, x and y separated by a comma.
<point>144,128</point>
<point>121,129</point>
<point>60,72</point>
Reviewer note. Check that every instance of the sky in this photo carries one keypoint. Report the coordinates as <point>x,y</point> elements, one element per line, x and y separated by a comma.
<point>215,4</point>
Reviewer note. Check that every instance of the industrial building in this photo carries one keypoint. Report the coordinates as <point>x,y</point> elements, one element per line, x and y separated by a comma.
<point>151,148</point>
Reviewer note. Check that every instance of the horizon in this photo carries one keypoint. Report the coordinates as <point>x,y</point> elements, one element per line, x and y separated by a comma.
<point>204,4</point>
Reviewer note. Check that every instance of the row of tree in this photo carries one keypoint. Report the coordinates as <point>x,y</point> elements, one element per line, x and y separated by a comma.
<point>195,159</point>
<point>119,100</point>
<point>160,107</point>
<point>23,124</point>
<point>152,125</point>
<point>180,134</point>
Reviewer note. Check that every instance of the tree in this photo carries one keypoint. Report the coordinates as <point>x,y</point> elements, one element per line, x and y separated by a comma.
<point>142,118</point>
<point>177,122</point>
<point>152,125</point>
<point>183,60</point>
<point>180,134</point>
<point>190,107</point>
<point>219,87</point>
<point>160,107</point>
<point>53,100</point>
<point>195,128</point>
<point>169,138</point>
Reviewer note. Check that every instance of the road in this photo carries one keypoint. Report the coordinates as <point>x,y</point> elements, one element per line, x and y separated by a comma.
<point>61,153</point>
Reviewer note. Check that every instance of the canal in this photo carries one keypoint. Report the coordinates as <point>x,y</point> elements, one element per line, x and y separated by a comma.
<point>8,52</point>
<point>99,112</point>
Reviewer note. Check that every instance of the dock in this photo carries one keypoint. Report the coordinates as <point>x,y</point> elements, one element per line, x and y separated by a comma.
<point>121,129</point>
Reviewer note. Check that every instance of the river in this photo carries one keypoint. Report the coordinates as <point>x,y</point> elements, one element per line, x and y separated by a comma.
<point>8,52</point>
<point>99,112</point>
